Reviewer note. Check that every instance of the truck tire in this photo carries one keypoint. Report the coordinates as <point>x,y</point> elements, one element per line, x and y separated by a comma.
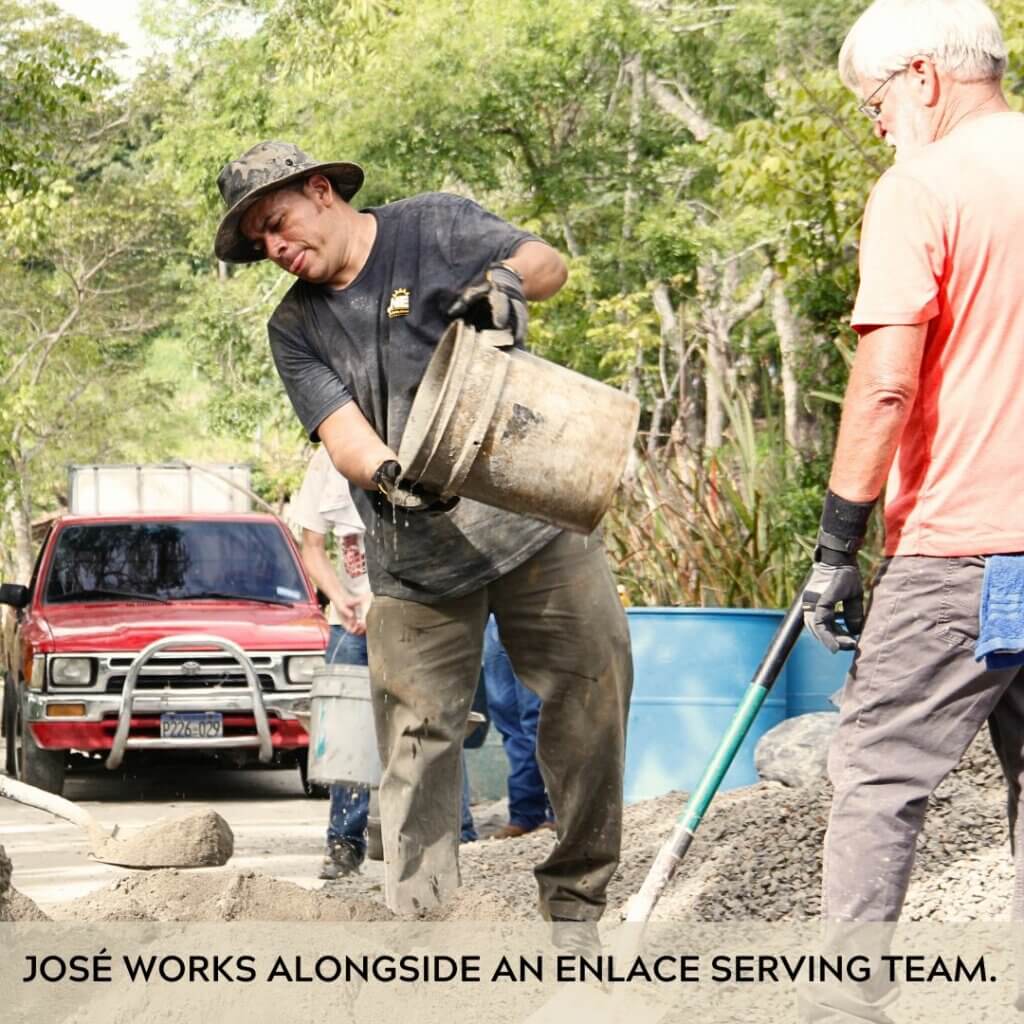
<point>314,790</point>
<point>33,765</point>
<point>9,725</point>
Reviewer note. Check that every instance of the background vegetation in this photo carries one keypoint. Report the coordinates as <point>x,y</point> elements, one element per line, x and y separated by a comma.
<point>697,161</point>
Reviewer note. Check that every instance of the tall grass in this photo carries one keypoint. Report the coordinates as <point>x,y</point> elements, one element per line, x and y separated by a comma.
<point>732,529</point>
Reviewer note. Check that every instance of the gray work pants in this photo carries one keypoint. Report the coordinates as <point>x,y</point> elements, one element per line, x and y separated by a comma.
<point>914,700</point>
<point>565,632</point>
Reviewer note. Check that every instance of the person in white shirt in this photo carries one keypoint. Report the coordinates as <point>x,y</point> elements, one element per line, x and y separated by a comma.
<point>324,505</point>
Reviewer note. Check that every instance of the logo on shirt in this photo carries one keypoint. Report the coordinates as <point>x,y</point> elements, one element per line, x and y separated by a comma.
<point>399,304</point>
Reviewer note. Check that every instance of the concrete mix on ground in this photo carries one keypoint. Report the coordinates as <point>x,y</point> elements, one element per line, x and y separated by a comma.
<point>756,857</point>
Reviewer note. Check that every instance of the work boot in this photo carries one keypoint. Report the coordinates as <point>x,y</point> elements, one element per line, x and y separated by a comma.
<point>340,858</point>
<point>513,831</point>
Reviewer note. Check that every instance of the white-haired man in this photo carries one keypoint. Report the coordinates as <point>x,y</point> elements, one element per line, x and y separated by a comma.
<point>933,410</point>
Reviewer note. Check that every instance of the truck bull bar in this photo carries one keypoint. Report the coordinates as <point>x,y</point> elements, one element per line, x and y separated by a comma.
<point>122,741</point>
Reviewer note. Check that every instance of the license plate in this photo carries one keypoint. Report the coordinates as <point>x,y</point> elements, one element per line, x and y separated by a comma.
<point>199,725</point>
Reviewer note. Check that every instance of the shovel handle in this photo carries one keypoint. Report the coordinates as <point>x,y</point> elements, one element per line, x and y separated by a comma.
<point>32,796</point>
<point>671,854</point>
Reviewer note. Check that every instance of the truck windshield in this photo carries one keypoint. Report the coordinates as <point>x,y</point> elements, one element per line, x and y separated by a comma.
<point>174,561</point>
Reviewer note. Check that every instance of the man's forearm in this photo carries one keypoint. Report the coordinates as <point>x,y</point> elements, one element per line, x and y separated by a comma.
<point>353,445</point>
<point>878,400</point>
<point>321,570</point>
<point>542,269</point>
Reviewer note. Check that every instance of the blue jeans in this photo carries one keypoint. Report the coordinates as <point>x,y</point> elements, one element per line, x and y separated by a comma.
<point>350,805</point>
<point>515,712</point>
<point>467,832</point>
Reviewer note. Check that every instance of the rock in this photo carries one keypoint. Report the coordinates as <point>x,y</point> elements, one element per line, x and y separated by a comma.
<point>795,752</point>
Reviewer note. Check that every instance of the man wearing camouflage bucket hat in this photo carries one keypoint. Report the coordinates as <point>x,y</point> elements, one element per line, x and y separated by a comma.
<point>352,338</point>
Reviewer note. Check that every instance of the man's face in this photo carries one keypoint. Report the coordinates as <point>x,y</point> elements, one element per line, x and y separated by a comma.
<point>291,228</point>
<point>903,122</point>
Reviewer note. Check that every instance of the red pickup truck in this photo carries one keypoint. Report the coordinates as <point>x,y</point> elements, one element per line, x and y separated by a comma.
<point>149,632</point>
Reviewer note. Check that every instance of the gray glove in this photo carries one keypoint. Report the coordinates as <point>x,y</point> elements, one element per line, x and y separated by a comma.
<point>835,577</point>
<point>828,586</point>
<point>494,303</point>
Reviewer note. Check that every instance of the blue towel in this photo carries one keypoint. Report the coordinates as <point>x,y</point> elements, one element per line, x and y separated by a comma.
<point>1001,637</point>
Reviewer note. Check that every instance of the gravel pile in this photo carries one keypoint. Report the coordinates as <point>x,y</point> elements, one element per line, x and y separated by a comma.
<point>757,857</point>
<point>758,853</point>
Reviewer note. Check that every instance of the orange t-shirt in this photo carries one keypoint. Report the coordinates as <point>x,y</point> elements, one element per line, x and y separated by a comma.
<point>943,244</point>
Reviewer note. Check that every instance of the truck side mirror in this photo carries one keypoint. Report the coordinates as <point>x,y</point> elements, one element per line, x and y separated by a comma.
<point>14,594</point>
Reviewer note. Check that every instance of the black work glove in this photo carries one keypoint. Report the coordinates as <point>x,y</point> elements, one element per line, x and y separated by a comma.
<point>835,578</point>
<point>496,302</point>
<point>409,497</point>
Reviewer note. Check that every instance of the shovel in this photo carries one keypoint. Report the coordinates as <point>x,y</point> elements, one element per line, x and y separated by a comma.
<point>597,1006</point>
<point>670,856</point>
<point>201,838</point>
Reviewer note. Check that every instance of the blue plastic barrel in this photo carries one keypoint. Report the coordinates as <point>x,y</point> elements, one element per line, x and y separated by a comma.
<point>692,667</point>
<point>813,675</point>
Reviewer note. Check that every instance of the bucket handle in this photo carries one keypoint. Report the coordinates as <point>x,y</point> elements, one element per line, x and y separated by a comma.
<point>496,339</point>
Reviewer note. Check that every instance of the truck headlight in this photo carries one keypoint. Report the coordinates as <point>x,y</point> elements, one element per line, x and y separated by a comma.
<point>301,669</point>
<point>71,671</point>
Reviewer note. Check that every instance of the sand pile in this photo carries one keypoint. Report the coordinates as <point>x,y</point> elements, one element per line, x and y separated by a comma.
<point>214,895</point>
<point>197,838</point>
<point>15,906</point>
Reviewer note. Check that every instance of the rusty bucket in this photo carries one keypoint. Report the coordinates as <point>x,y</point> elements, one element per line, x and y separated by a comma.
<point>506,428</point>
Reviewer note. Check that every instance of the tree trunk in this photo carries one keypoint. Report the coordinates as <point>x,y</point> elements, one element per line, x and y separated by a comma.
<point>19,512</point>
<point>788,330</point>
<point>802,430</point>
<point>714,389</point>
<point>670,343</point>
<point>634,70</point>
<point>721,312</point>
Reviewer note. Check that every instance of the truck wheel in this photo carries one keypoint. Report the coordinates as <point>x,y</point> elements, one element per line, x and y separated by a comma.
<point>9,725</point>
<point>41,768</point>
<point>315,790</point>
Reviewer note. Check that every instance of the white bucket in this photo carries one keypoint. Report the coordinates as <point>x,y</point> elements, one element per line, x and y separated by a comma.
<point>342,734</point>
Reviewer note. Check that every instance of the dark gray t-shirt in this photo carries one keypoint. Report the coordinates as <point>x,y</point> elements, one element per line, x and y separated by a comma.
<point>334,346</point>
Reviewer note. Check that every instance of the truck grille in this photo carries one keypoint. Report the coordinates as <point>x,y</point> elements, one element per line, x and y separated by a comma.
<point>224,680</point>
<point>191,670</point>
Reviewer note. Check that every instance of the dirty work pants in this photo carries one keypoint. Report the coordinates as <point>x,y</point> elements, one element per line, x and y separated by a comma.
<point>350,805</point>
<point>565,632</point>
<point>515,712</point>
<point>914,700</point>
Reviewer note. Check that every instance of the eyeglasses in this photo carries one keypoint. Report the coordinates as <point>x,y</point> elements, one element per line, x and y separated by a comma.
<point>869,108</point>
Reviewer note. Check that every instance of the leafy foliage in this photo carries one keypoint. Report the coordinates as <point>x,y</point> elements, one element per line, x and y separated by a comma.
<point>699,163</point>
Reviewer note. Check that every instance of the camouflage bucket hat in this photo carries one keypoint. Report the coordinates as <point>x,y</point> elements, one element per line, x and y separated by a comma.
<point>265,167</point>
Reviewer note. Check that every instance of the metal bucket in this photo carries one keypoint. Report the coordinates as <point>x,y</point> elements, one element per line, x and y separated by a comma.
<point>509,429</point>
<point>342,734</point>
